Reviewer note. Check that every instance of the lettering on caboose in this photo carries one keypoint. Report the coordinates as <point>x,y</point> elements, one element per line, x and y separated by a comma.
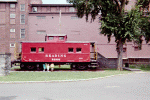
<point>55,55</point>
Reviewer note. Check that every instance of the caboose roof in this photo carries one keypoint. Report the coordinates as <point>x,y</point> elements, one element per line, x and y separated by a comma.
<point>58,42</point>
<point>56,35</point>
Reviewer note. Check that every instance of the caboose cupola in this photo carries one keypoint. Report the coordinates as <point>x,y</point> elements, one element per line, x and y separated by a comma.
<point>56,37</point>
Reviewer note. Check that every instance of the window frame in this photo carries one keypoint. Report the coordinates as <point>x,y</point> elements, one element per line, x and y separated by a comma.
<point>41,17</point>
<point>12,7</point>
<point>79,51</point>
<point>21,33</point>
<point>22,6</point>
<point>51,37</point>
<point>34,10</point>
<point>12,30</point>
<point>61,37</point>
<point>12,15</point>
<point>71,51</point>
<point>22,18</point>
<point>41,32</point>
<point>71,9</point>
<point>42,48</point>
<point>33,51</point>
<point>11,45</point>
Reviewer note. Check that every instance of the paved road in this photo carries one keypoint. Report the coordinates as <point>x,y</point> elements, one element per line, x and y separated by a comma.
<point>126,87</point>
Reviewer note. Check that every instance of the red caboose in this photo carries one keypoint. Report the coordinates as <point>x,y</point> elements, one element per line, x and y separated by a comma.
<point>56,49</point>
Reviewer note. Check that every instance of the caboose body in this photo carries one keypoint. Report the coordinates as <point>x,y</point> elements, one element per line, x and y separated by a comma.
<point>56,49</point>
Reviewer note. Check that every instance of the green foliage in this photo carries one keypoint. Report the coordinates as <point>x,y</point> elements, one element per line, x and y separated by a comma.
<point>143,3</point>
<point>115,21</point>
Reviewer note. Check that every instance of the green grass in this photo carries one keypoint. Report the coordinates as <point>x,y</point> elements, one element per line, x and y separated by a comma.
<point>141,67</point>
<point>59,75</point>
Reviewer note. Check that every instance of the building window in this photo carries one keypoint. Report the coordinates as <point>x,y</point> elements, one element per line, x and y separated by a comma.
<point>71,9</point>
<point>22,33</point>
<point>50,38</point>
<point>124,50</point>
<point>41,49</point>
<point>41,17</point>
<point>12,6</point>
<point>12,30</point>
<point>33,49</point>
<point>61,38</point>
<point>22,19</point>
<point>12,15</point>
<point>70,49</point>
<point>22,7</point>
<point>34,9</point>
<point>12,44</point>
<point>78,50</point>
<point>75,17</point>
<point>41,32</point>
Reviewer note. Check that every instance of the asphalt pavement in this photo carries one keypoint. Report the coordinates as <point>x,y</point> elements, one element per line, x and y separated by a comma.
<point>134,86</point>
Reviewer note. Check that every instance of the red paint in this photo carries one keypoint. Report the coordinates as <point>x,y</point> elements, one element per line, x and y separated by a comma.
<point>55,52</point>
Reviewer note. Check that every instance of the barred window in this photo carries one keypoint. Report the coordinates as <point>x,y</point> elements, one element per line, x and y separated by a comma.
<point>71,9</point>
<point>41,32</point>
<point>12,30</point>
<point>41,17</point>
<point>12,6</point>
<point>22,7</point>
<point>22,19</point>
<point>34,9</point>
<point>70,49</point>
<point>33,49</point>
<point>61,38</point>
<point>12,44</point>
<point>50,38</point>
<point>22,33</point>
<point>41,49</point>
<point>12,15</point>
<point>78,50</point>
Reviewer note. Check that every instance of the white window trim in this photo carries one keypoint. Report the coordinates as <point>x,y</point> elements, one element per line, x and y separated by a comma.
<point>20,33</point>
<point>14,6</point>
<point>13,45</point>
<point>21,7</point>
<point>24,19</point>
<point>12,30</point>
<point>71,9</point>
<point>12,15</point>
<point>34,9</point>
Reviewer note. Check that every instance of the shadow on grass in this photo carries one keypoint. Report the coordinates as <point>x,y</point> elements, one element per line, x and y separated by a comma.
<point>56,68</point>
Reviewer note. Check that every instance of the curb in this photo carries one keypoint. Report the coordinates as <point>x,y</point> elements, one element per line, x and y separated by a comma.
<point>60,81</point>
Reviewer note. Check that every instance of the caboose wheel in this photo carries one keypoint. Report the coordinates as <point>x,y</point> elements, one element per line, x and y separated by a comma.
<point>73,66</point>
<point>31,66</point>
<point>81,66</point>
<point>22,66</point>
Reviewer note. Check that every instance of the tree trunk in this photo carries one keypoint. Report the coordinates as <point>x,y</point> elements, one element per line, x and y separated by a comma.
<point>120,52</point>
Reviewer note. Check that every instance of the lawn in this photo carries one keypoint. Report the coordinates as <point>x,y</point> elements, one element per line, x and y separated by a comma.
<point>142,67</point>
<point>59,75</point>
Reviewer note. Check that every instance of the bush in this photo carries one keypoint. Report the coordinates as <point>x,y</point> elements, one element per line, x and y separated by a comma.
<point>132,66</point>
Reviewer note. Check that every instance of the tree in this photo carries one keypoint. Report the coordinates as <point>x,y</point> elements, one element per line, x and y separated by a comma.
<point>145,24</point>
<point>123,25</point>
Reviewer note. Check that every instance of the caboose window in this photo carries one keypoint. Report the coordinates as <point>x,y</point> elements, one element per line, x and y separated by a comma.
<point>78,49</point>
<point>33,49</point>
<point>70,49</point>
<point>50,38</point>
<point>61,38</point>
<point>41,49</point>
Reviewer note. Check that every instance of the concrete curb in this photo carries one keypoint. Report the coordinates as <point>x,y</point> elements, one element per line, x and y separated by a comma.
<point>60,81</point>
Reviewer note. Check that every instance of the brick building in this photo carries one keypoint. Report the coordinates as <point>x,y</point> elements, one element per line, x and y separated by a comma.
<point>30,20</point>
